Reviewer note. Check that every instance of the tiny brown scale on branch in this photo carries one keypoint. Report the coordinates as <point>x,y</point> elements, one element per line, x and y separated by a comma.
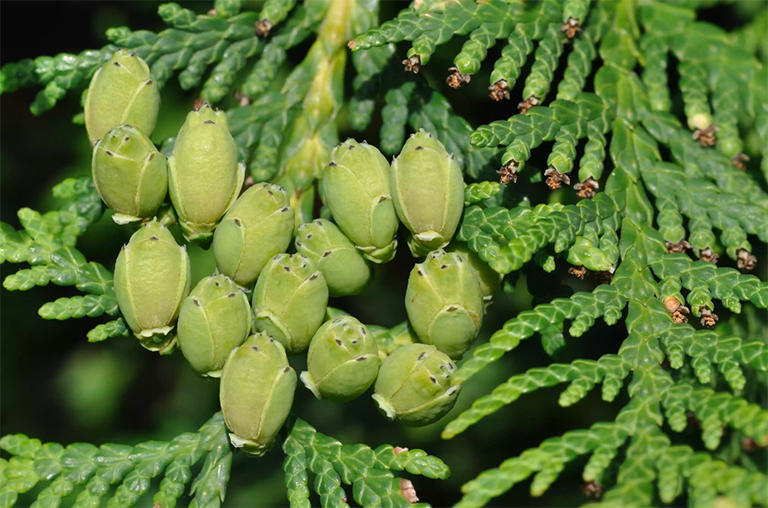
<point>508,173</point>
<point>739,160</point>
<point>587,189</point>
<point>556,179</point>
<point>262,27</point>
<point>579,271</point>
<point>571,28</point>
<point>199,103</point>
<point>592,489</point>
<point>745,260</point>
<point>499,90</point>
<point>677,248</point>
<point>527,104</point>
<point>412,64</point>
<point>456,78</point>
<point>708,318</point>
<point>706,137</point>
<point>709,255</point>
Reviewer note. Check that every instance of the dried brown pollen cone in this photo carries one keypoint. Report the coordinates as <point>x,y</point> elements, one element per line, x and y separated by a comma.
<point>456,78</point>
<point>556,179</point>
<point>262,27</point>
<point>508,173</point>
<point>571,28</point>
<point>676,248</point>
<point>706,137</point>
<point>587,189</point>
<point>745,260</point>
<point>499,90</point>
<point>412,64</point>
<point>527,104</point>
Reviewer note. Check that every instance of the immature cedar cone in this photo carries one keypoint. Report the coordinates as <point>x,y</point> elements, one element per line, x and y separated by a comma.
<point>345,270</point>
<point>204,176</point>
<point>129,173</point>
<point>428,191</point>
<point>256,393</point>
<point>357,191</point>
<point>214,319</point>
<point>444,301</point>
<point>257,227</point>
<point>290,300</point>
<point>121,91</point>
<point>152,277</point>
<point>343,360</point>
<point>414,385</point>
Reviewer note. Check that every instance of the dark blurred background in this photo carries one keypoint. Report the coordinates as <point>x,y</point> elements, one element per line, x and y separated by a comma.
<point>58,387</point>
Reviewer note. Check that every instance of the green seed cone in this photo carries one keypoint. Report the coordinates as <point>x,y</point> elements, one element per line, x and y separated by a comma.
<point>130,175</point>
<point>444,301</point>
<point>204,176</point>
<point>121,91</point>
<point>428,192</point>
<point>345,269</point>
<point>343,360</point>
<point>356,189</point>
<point>256,393</point>
<point>289,300</point>
<point>214,319</point>
<point>414,385</point>
<point>257,227</point>
<point>490,279</point>
<point>152,277</point>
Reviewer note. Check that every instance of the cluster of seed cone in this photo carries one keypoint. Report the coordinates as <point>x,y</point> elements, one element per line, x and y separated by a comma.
<point>244,340</point>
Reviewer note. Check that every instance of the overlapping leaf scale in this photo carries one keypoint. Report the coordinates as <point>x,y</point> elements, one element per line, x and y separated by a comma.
<point>94,470</point>
<point>368,471</point>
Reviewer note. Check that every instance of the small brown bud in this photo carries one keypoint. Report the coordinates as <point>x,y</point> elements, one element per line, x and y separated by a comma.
<point>527,104</point>
<point>399,449</point>
<point>556,179</point>
<point>262,27</point>
<point>412,64</point>
<point>708,318</point>
<point>587,189</point>
<point>456,78</point>
<point>408,491</point>
<point>509,172</point>
<point>579,271</point>
<point>199,103</point>
<point>352,44</point>
<point>676,248</point>
<point>592,489</point>
<point>680,316</point>
<point>738,161</point>
<point>212,12</point>
<point>709,255</point>
<point>706,137</point>
<point>571,28</point>
<point>499,90</point>
<point>745,260</point>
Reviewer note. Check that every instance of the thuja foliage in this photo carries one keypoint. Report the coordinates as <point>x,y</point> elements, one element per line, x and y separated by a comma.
<point>663,117</point>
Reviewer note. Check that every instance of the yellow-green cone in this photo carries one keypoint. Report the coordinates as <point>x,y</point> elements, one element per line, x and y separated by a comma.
<point>345,270</point>
<point>121,91</point>
<point>256,393</point>
<point>428,192</point>
<point>356,189</point>
<point>257,227</point>
<point>152,277</point>
<point>204,176</point>
<point>414,385</point>
<point>290,300</point>
<point>343,360</point>
<point>130,175</point>
<point>444,301</point>
<point>214,319</point>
